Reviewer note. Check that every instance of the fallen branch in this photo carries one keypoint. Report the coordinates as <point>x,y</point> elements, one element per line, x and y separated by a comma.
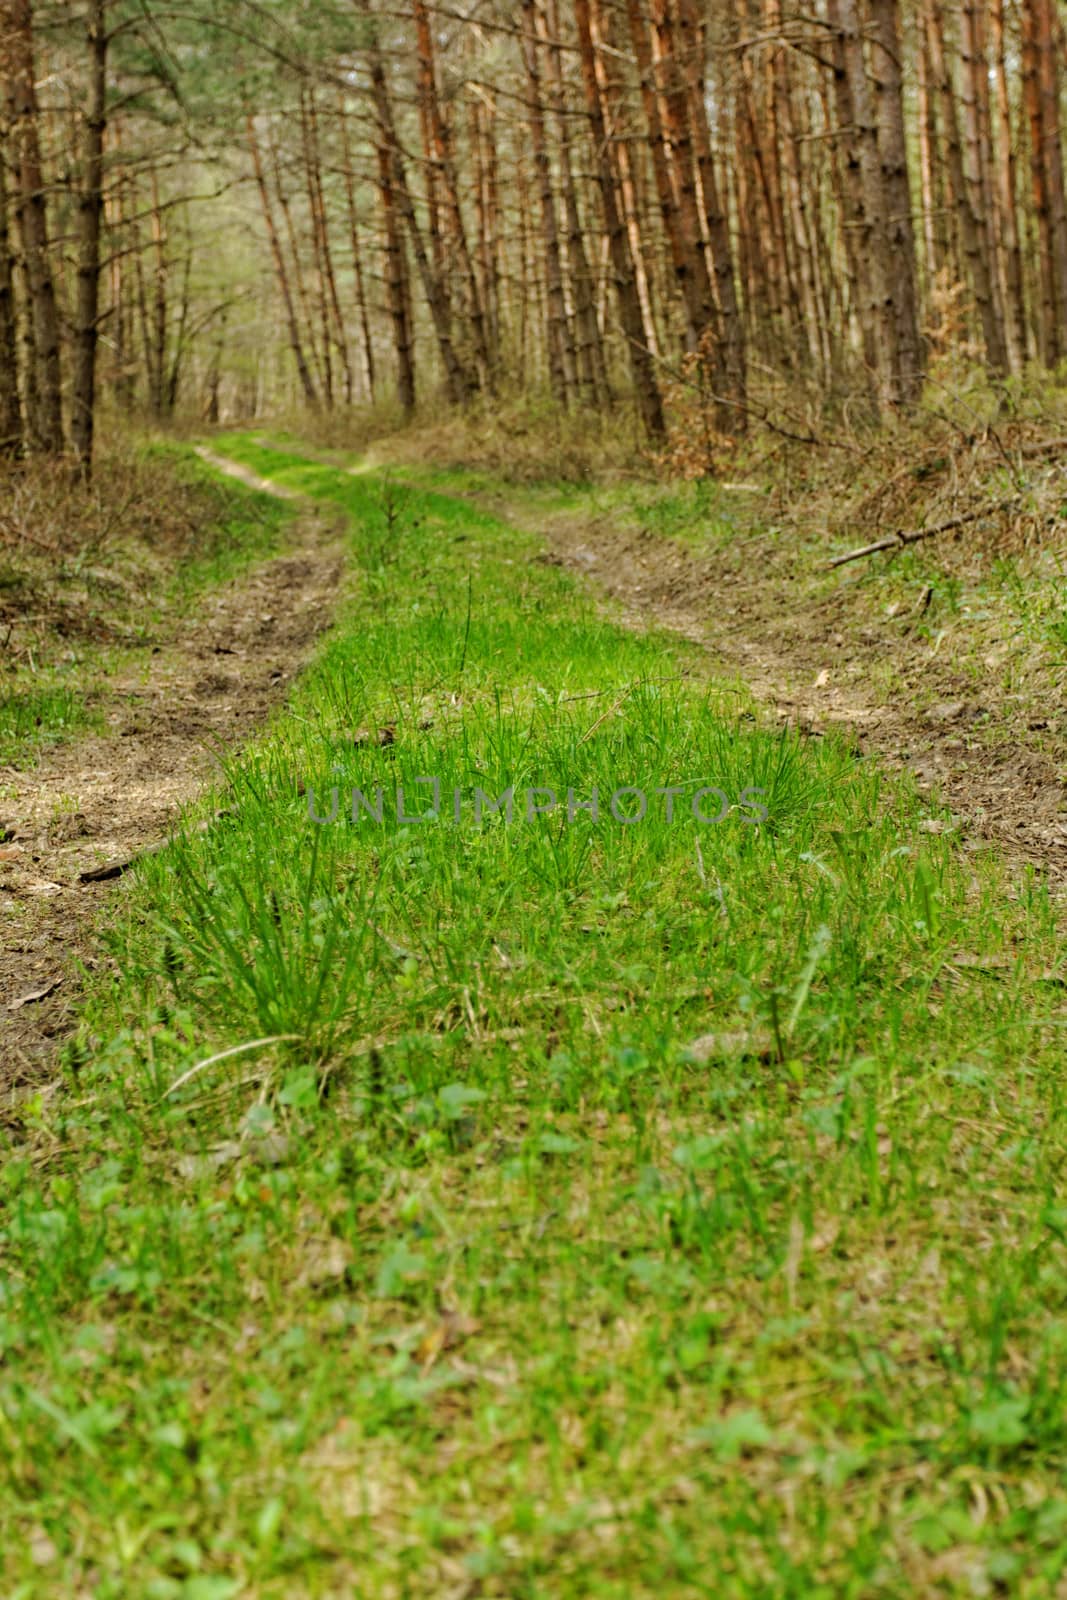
<point>906,536</point>
<point>118,869</point>
<point>1042,447</point>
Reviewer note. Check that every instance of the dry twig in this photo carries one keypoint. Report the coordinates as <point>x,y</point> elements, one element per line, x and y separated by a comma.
<point>906,536</point>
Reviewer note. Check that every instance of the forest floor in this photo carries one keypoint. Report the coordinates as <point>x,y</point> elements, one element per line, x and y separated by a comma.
<point>478,1205</point>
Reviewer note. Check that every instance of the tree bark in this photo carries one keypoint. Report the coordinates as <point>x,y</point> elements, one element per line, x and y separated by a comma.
<point>974,75</point>
<point>795,194</point>
<point>446,167</point>
<point>878,304</point>
<point>646,389</point>
<point>592,370</point>
<point>1007,190</point>
<point>970,233</point>
<point>613,101</point>
<point>357,250</point>
<point>306,315</point>
<point>887,59</point>
<point>292,325</point>
<point>396,283</point>
<point>90,214</point>
<point>693,55</point>
<point>11,439</point>
<point>333,319</point>
<point>459,383</point>
<point>695,309</point>
<point>562,366</point>
<point>46,413</point>
<point>487,206</point>
<point>927,139</point>
<point>1041,89</point>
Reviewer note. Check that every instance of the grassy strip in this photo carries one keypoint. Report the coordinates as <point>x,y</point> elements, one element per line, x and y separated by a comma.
<point>197,533</point>
<point>666,1208</point>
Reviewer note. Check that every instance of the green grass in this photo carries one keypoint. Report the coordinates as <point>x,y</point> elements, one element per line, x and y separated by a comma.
<point>242,527</point>
<point>33,715</point>
<point>662,1209</point>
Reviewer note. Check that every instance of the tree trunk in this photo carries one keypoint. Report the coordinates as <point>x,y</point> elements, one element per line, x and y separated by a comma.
<point>357,250</point>
<point>334,319</point>
<point>90,213</point>
<point>46,414</point>
<point>927,136</point>
<point>693,55</point>
<point>766,270</point>
<point>426,91</point>
<point>483,150</point>
<point>295,344</point>
<point>878,302</point>
<point>892,147</point>
<point>561,361</point>
<point>442,154</point>
<point>210,411</point>
<point>1007,188</point>
<point>794,194</point>
<point>158,335</point>
<point>175,368</point>
<point>974,73</point>
<point>1049,47</point>
<point>396,284</point>
<point>458,380</point>
<point>644,378</point>
<point>970,233</point>
<point>10,404</point>
<point>696,307</point>
<point>303,299</point>
<point>612,100</point>
<point>1041,89</point>
<point>772,177</point>
<point>592,371</point>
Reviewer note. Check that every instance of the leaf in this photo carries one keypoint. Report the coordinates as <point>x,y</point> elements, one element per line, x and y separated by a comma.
<point>300,1089</point>
<point>383,737</point>
<point>445,1336</point>
<point>325,1261</point>
<point>42,1548</point>
<point>37,994</point>
<point>397,1266</point>
<point>171,1434</point>
<point>735,1435</point>
<point>202,1586</point>
<point>699,1154</point>
<point>1002,1424</point>
<point>455,1098</point>
<point>558,1144</point>
<point>756,1042</point>
<point>818,948</point>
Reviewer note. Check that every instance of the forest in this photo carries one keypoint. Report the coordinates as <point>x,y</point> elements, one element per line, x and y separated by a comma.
<point>533,799</point>
<point>653,203</point>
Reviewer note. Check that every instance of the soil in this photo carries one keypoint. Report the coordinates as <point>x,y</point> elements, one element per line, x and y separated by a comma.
<point>104,798</point>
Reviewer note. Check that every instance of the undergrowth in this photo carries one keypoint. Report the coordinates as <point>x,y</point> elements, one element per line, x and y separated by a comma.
<point>86,572</point>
